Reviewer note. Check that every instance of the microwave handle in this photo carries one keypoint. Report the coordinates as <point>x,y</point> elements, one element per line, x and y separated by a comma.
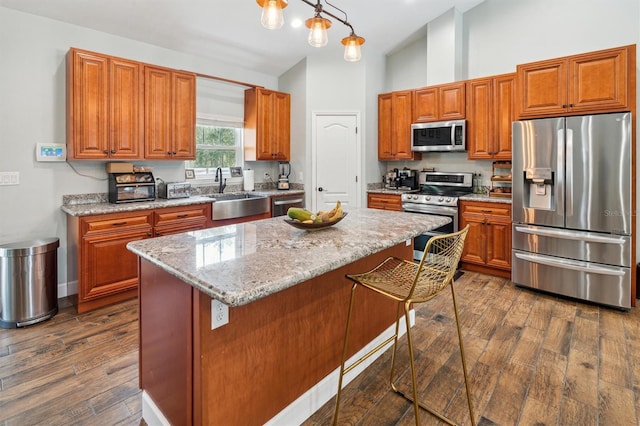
<point>453,135</point>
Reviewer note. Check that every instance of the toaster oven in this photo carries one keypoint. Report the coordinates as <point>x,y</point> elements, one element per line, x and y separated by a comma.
<point>171,190</point>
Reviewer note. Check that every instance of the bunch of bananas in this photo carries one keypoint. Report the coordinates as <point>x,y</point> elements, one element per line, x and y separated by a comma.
<point>306,216</point>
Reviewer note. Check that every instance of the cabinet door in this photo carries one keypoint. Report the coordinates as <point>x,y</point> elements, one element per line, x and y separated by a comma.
<point>125,109</point>
<point>264,126</point>
<point>598,81</point>
<point>480,119</point>
<point>475,244</point>
<point>504,93</point>
<point>157,122</point>
<point>107,266</point>
<point>498,243</point>
<point>401,125</point>
<point>542,88</point>
<point>451,103</point>
<point>88,106</point>
<point>183,106</point>
<point>281,126</point>
<point>385,149</point>
<point>425,104</point>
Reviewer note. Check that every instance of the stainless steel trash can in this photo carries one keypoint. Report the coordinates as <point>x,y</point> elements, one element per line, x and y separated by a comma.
<point>28,282</point>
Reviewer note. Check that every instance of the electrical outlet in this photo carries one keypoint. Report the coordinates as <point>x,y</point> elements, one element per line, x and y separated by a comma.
<point>9,178</point>
<point>219,314</point>
<point>267,177</point>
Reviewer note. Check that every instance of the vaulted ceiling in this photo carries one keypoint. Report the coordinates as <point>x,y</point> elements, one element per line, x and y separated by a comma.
<point>230,30</point>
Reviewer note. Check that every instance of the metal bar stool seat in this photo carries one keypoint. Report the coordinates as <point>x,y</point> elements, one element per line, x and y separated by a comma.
<point>407,283</point>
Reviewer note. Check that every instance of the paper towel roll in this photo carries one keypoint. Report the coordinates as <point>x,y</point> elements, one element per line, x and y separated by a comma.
<point>249,180</point>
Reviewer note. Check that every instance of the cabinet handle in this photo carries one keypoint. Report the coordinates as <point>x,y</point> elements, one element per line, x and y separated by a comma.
<point>182,216</point>
<point>174,152</point>
<point>113,151</point>
<point>149,234</point>
<point>106,151</point>
<point>168,152</point>
<point>564,105</point>
<point>119,223</point>
<point>486,211</point>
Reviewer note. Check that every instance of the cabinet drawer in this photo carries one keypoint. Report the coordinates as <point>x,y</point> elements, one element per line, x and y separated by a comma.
<point>170,216</point>
<point>493,209</point>
<point>384,202</point>
<point>110,223</point>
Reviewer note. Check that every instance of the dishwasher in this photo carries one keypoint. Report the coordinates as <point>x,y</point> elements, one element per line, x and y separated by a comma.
<point>280,205</point>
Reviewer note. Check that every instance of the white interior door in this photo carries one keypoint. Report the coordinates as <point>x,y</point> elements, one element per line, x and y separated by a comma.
<point>336,160</point>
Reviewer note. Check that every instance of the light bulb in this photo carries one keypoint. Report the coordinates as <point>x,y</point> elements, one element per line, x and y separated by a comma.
<point>352,52</point>
<point>272,17</point>
<point>318,31</point>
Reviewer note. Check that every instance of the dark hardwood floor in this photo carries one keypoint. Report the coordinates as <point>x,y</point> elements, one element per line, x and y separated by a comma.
<point>533,359</point>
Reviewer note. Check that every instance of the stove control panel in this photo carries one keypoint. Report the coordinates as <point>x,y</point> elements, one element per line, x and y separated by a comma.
<point>435,200</point>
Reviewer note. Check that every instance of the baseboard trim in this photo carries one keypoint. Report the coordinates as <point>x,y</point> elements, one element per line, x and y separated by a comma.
<point>67,289</point>
<point>309,402</point>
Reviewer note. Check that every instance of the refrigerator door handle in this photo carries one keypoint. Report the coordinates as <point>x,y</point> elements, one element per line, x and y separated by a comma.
<point>567,235</point>
<point>569,264</point>
<point>569,172</point>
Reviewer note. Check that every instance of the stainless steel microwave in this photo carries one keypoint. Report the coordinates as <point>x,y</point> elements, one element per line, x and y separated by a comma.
<point>439,136</point>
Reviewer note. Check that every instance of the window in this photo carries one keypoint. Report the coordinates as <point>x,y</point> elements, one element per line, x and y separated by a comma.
<point>218,144</point>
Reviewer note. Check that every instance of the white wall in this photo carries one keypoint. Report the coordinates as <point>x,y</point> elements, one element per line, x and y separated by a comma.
<point>32,110</point>
<point>294,82</point>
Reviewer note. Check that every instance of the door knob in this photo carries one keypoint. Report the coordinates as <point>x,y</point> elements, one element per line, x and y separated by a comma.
<point>320,189</point>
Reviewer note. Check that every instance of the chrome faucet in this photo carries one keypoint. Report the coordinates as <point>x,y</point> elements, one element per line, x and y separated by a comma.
<point>222,185</point>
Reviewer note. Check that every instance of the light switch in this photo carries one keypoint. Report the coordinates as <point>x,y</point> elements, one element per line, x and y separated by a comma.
<point>9,178</point>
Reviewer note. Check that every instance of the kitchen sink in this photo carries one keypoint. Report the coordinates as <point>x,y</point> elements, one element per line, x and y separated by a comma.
<point>237,205</point>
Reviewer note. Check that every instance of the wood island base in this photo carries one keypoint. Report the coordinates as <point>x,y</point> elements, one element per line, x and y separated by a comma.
<point>270,353</point>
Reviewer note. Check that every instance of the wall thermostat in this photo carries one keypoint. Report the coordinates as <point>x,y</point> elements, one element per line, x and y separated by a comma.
<point>51,152</point>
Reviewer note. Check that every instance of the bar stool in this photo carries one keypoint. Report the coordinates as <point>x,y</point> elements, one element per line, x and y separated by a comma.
<point>410,283</point>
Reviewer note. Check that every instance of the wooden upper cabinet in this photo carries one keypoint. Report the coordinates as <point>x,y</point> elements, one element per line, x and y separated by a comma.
<point>579,84</point>
<point>169,114</point>
<point>104,111</point>
<point>490,112</point>
<point>394,126</point>
<point>267,125</point>
<point>439,103</point>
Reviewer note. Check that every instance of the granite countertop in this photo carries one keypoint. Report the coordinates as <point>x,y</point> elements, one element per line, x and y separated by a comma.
<point>80,208</point>
<point>238,264</point>
<point>390,191</point>
<point>485,198</point>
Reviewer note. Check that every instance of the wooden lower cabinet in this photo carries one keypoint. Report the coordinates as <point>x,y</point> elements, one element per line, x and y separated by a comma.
<point>107,271</point>
<point>174,220</point>
<point>488,245</point>
<point>384,201</point>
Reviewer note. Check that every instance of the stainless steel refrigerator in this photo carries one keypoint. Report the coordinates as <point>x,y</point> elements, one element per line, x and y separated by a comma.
<point>572,207</point>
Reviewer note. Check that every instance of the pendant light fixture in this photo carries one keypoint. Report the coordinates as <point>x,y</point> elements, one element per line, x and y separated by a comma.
<point>318,30</point>
<point>272,18</point>
<point>352,52</point>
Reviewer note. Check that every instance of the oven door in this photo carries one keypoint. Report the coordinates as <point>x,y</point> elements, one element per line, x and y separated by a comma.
<point>420,242</point>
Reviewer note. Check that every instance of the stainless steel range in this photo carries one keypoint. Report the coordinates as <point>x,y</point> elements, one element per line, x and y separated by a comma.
<point>438,195</point>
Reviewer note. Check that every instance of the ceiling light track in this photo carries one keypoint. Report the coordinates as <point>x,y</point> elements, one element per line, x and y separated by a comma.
<point>272,18</point>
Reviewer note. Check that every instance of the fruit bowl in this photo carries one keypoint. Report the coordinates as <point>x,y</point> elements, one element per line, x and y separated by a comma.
<point>312,226</point>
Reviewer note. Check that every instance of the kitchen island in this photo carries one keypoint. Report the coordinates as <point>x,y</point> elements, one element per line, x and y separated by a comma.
<point>287,301</point>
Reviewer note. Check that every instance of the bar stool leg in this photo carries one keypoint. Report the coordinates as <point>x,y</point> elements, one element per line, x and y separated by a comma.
<point>416,407</point>
<point>395,349</point>
<point>344,355</point>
